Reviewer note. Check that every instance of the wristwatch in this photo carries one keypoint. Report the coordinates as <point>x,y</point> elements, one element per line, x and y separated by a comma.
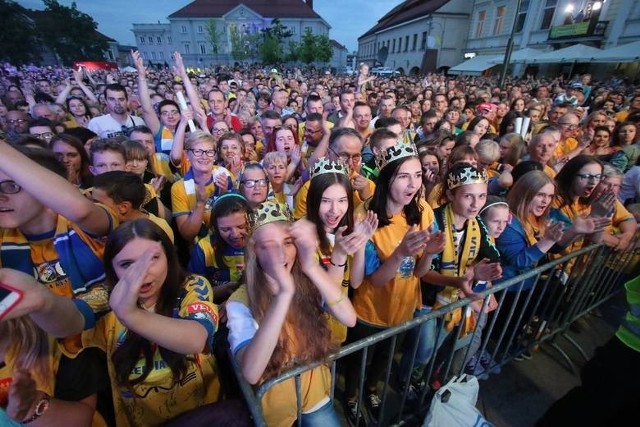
<point>41,408</point>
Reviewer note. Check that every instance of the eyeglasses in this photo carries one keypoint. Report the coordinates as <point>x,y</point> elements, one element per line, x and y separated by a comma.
<point>346,158</point>
<point>16,121</point>
<point>250,183</point>
<point>45,135</point>
<point>9,187</point>
<point>569,125</point>
<point>170,113</point>
<point>312,132</point>
<point>198,153</point>
<point>589,177</point>
<point>220,130</point>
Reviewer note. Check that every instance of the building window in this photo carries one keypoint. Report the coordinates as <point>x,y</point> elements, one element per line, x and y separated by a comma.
<point>161,55</point>
<point>142,40</point>
<point>150,40</point>
<point>399,44</point>
<point>393,49</point>
<point>203,49</point>
<point>497,25</point>
<point>187,49</point>
<point>308,28</point>
<point>159,40</point>
<point>200,29</point>
<point>522,15</point>
<point>145,55</point>
<point>169,40</point>
<point>482,15</point>
<point>183,29</point>
<point>547,14</point>
<point>153,55</point>
<point>423,43</point>
<point>415,42</point>
<point>406,43</point>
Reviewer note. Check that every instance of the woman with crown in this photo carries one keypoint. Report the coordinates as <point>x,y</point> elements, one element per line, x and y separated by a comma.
<point>277,318</point>
<point>341,240</point>
<point>396,256</point>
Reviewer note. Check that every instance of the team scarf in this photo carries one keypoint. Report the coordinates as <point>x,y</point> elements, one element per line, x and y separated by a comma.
<point>454,263</point>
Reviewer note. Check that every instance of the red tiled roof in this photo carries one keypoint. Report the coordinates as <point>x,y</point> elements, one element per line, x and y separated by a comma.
<point>266,8</point>
<point>406,11</point>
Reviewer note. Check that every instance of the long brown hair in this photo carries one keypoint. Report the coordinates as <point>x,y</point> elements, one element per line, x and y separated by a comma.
<point>522,193</point>
<point>28,346</point>
<point>134,346</point>
<point>305,335</point>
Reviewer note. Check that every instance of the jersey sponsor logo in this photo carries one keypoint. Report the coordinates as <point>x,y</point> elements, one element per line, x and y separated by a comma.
<point>198,307</point>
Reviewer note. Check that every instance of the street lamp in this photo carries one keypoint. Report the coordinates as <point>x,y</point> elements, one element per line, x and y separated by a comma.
<point>507,53</point>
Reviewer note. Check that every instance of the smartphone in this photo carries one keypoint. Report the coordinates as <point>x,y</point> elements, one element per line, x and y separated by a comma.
<point>9,297</point>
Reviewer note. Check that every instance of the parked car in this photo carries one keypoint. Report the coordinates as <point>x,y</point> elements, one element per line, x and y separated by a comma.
<point>384,72</point>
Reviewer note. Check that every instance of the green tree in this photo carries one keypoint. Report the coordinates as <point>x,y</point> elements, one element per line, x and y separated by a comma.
<point>18,41</point>
<point>293,54</point>
<point>215,36</point>
<point>271,49</point>
<point>69,33</point>
<point>323,48</point>
<point>308,47</point>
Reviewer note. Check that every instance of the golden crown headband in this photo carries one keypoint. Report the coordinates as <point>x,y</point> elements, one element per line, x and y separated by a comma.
<point>468,175</point>
<point>324,165</point>
<point>268,212</point>
<point>398,151</point>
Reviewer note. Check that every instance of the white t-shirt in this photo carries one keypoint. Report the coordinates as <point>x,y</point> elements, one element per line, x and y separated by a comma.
<point>108,127</point>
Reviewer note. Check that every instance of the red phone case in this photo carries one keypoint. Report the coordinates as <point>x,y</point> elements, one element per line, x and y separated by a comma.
<point>6,309</point>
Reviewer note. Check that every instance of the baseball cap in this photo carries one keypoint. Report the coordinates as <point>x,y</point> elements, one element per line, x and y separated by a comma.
<point>576,85</point>
<point>486,107</point>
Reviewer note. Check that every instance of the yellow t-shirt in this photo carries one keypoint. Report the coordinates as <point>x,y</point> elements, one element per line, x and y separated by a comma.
<point>300,203</point>
<point>279,404</point>
<point>565,147</point>
<point>162,223</point>
<point>338,329</point>
<point>395,302</point>
<point>183,203</point>
<point>158,398</point>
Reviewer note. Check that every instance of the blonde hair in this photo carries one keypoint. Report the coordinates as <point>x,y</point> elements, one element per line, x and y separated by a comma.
<point>523,192</point>
<point>28,346</point>
<point>274,157</point>
<point>488,150</point>
<point>198,136</point>
<point>305,335</point>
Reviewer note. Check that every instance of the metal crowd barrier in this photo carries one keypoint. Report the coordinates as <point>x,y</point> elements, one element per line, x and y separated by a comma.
<point>565,290</point>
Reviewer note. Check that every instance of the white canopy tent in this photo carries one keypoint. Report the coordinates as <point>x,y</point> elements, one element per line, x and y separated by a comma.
<point>475,66</point>
<point>629,52</point>
<point>574,53</point>
<point>522,56</point>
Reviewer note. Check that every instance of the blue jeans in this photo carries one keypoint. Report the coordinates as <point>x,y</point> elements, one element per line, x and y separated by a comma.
<point>425,335</point>
<point>325,416</point>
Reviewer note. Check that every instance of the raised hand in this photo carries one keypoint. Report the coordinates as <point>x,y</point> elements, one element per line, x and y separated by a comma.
<point>367,225</point>
<point>179,67</point>
<point>413,242</point>
<point>296,154</point>
<point>588,225</point>
<point>124,296</point>
<point>603,205</point>
<point>554,232</point>
<point>276,267</point>
<point>138,61</point>
<point>305,236</point>
<point>487,271</point>
<point>435,243</point>
<point>22,395</point>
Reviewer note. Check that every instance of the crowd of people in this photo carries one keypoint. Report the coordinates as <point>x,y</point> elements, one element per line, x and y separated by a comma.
<point>155,220</point>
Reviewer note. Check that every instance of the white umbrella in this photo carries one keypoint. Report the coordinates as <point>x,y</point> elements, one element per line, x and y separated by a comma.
<point>522,56</point>
<point>474,66</point>
<point>574,53</point>
<point>629,52</point>
<point>128,69</point>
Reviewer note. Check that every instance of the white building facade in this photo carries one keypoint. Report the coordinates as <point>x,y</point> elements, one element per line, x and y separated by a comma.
<point>418,36</point>
<point>189,29</point>
<point>551,24</point>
